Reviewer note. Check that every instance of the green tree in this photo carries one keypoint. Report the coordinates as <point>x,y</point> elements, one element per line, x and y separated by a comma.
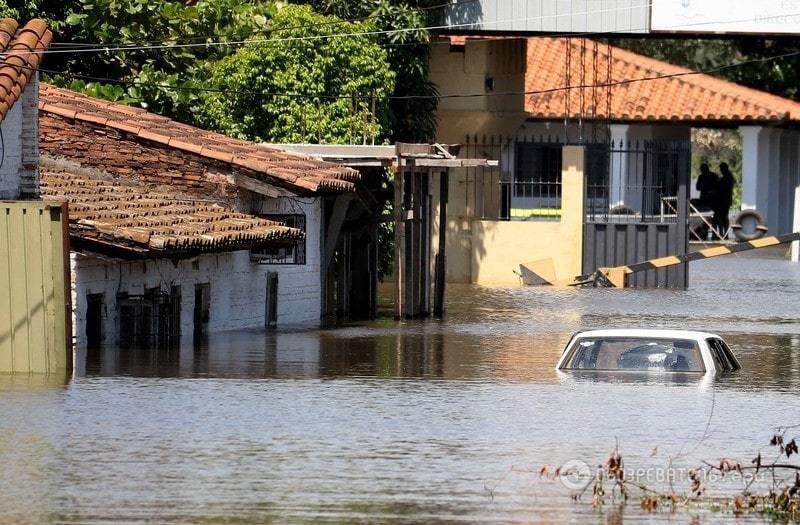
<point>406,41</point>
<point>159,76</point>
<point>54,11</point>
<point>267,89</point>
<point>780,76</point>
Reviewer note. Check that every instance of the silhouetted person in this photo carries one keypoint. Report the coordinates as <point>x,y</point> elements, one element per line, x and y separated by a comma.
<point>706,185</point>
<point>723,198</point>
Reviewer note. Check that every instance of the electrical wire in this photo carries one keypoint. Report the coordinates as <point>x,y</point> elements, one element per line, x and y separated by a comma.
<point>608,84</point>
<point>290,28</point>
<point>105,48</point>
<point>108,48</point>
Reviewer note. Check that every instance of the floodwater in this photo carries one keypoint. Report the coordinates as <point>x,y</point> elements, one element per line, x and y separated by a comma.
<point>402,422</point>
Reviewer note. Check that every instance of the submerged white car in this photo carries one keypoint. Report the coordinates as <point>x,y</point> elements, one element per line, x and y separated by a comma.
<point>648,350</point>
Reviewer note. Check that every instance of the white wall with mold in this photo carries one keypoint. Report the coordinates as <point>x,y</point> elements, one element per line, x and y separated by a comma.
<point>238,287</point>
<point>19,147</point>
<point>11,151</point>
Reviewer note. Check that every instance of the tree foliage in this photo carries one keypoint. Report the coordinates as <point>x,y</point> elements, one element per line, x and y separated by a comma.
<point>302,84</point>
<point>406,40</point>
<point>158,76</point>
<point>747,61</point>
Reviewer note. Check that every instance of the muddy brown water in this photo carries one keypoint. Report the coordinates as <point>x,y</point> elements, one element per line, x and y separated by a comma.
<point>401,422</point>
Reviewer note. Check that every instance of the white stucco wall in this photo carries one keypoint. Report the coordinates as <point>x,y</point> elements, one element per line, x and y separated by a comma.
<point>238,287</point>
<point>11,152</point>
<point>19,148</point>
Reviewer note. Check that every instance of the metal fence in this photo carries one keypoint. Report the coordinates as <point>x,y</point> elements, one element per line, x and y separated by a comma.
<point>526,185</point>
<point>626,182</point>
<point>635,181</point>
<point>636,208</point>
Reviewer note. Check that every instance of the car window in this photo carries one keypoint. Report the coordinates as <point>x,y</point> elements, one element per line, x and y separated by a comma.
<point>635,353</point>
<point>723,357</point>
<point>722,361</point>
<point>729,354</point>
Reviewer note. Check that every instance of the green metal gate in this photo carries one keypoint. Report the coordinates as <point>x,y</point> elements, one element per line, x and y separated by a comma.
<point>35,312</point>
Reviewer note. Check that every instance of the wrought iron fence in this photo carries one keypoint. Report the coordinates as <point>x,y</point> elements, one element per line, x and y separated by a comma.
<point>526,185</point>
<point>635,181</point>
<point>625,181</point>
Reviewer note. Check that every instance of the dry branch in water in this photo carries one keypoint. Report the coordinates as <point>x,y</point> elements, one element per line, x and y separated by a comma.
<point>776,492</point>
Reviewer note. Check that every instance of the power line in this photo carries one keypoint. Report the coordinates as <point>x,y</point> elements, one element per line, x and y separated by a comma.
<point>609,84</point>
<point>201,39</point>
<point>101,48</point>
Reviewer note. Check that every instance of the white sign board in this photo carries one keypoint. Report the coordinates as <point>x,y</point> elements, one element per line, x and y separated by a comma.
<point>726,16</point>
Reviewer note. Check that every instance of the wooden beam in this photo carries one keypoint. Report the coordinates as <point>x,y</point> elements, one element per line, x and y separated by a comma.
<point>340,207</point>
<point>421,162</point>
<point>260,187</point>
<point>441,257</point>
<point>399,242</point>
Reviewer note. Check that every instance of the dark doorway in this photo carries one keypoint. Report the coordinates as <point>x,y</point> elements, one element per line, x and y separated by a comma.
<point>148,320</point>
<point>94,320</point>
<point>271,317</point>
<point>202,308</point>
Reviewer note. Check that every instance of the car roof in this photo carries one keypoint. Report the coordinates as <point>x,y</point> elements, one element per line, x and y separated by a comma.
<point>647,332</point>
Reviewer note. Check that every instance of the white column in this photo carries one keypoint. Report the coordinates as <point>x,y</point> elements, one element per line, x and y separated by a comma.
<point>618,165</point>
<point>749,166</point>
<point>755,167</point>
<point>785,184</point>
<point>796,244</point>
<point>772,208</point>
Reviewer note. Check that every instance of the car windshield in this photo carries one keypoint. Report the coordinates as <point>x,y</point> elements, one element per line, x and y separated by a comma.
<point>634,353</point>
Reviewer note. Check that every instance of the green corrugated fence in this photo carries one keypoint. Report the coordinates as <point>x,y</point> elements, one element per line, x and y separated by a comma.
<point>35,313</point>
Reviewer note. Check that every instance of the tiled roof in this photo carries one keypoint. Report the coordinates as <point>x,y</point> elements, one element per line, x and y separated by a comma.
<point>20,55</point>
<point>288,169</point>
<point>695,97</point>
<point>137,219</point>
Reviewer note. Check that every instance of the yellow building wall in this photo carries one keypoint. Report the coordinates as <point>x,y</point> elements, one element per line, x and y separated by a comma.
<point>499,247</point>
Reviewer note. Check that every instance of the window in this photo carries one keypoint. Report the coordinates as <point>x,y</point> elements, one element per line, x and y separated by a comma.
<point>537,171</point>
<point>723,357</point>
<point>291,253</point>
<point>634,353</point>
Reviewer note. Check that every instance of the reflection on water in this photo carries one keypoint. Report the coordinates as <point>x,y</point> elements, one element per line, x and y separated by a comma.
<point>397,421</point>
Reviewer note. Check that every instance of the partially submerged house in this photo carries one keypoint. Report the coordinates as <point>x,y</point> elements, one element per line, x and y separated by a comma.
<point>171,217</point>
<point>523,100</point>
<point>34,302</point>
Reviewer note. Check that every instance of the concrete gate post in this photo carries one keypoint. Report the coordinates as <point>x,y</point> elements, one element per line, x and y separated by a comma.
<point>573,176</point>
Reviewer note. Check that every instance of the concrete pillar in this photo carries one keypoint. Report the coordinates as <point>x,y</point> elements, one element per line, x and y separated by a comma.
<point>785,183</point>
<point>796,244</point>
<point>573,174</point>
<point>618,167</point>
<point>755,167</point>
<point>773,204</point>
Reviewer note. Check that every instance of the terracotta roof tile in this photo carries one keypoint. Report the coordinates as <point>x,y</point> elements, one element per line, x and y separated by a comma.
<point>20,55</point>
<point>290,169</point>
<point>682,96</point>
<point>133,216</point>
